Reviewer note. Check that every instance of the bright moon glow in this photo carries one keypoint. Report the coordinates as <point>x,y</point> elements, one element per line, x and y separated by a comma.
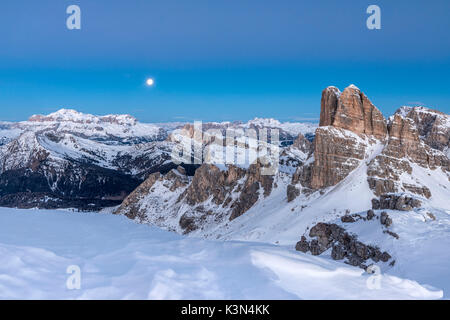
<point>150,82</point>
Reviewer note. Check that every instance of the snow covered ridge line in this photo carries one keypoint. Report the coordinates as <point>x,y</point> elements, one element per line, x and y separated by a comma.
<point>357,161</point>
<point>240,147</point>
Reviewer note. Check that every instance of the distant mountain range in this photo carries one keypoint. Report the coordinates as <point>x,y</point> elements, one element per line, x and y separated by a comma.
<point>356,187</point>
<point>71,159</point>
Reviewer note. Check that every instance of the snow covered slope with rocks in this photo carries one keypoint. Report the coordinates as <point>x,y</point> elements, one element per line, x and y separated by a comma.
<point>119,259</point>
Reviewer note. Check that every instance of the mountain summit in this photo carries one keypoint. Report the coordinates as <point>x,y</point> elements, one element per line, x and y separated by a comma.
<point>72,159</point>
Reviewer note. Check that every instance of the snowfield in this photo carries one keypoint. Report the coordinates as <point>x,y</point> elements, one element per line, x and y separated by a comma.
<point>120,259</point>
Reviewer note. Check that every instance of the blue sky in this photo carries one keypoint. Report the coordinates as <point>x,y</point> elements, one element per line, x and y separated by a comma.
<point>217,59</point>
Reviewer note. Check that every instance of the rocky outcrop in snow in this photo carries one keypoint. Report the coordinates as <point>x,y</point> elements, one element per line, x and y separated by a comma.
<point>109,129</point>
<point>173,180</point>
<point>396,202</point>
<point>337,152</point>
<point>433,126</point>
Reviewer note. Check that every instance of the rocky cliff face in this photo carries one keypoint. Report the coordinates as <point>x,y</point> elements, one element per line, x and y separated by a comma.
<point>70,159</point>
<point>132,205</point>
<point>433,126</point>
<point>211,182</point>
<point>211,194</point>
<point>337,152</point>
<point>349,125</point>
<point>351,110</point>
<point>405,147</point>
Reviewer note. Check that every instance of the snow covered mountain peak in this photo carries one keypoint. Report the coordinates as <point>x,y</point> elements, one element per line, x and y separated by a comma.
<point>70,115</point>
<point>265,122</point>
<point>352,86</point>
<point>110,129</point>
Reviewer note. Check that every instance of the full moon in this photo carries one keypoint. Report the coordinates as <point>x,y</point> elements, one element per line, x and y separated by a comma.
<point>150,82</point>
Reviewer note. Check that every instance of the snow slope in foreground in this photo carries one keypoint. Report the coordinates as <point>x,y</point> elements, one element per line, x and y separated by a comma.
<point>123,260</point>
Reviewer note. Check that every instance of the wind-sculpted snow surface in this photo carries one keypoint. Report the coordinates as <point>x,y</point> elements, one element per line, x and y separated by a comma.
<point>119,259</point>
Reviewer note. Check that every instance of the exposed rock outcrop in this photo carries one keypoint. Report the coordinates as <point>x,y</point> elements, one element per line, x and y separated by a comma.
<point>328,105</point>
<point>351,110</point>
<point>211,194</point>
<point>337,152</point>
<point>303,144</point>
<point>344,245</point>
<point>350,124</point>
<point>132,206</point>
<point>292,192</point>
